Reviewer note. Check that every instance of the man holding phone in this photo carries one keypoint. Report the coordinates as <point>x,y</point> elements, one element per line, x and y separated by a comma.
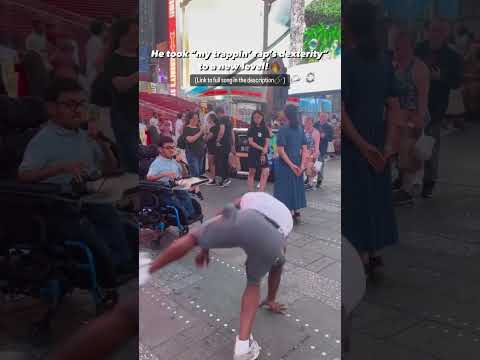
<point>445,74</point>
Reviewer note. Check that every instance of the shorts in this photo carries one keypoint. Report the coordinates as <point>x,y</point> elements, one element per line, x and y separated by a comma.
<point>211,148</point>
<point>249,230</point>
<point>254,161</point>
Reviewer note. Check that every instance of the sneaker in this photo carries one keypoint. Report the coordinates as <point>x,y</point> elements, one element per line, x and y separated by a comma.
<point>308,187</point>
<point>319,183</point>
<point>402,198</point>
<point>211,182</point>
<point>225,183</point>
<point>252,354</point>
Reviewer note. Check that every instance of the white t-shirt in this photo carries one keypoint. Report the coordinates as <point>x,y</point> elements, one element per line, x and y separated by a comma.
<point>178,128</point>
<point>93,49</point>
<point>154,122</point>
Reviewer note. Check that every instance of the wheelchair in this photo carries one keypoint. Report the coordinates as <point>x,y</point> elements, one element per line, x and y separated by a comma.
<point>154,213</point>
<point>35,259</point>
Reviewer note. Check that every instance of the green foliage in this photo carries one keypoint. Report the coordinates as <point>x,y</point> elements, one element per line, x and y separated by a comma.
<point>327,36</point>
<point>323,12</point>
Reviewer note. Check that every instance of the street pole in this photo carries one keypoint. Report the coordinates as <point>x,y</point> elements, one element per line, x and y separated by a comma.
<point>267,6</point>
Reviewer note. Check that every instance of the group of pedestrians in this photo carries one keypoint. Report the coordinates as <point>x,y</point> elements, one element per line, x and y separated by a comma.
<point>393,105</point>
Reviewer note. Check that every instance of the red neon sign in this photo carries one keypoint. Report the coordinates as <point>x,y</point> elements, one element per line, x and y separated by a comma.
<point>172,39</point>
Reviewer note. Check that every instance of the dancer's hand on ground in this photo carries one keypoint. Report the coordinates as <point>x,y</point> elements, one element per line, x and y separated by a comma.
<point>374,157</point>
<point>274,307</point>
<point>202,259</point>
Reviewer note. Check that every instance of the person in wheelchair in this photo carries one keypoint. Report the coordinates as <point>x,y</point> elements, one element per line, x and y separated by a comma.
<point>166,169</point>
<point>62,153</point>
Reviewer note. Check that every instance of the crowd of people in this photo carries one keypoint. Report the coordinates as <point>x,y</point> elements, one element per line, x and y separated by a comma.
<point>394,105</point>
<point>206,145</point>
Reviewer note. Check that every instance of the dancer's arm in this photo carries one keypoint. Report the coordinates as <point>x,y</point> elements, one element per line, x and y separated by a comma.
<point>178,249</point>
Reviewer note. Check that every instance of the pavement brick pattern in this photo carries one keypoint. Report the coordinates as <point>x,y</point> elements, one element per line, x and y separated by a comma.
<point>190,314</point>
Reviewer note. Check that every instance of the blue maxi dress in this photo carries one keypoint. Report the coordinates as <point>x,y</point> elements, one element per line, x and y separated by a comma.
<point>368,219</point>
<point>289,188</point>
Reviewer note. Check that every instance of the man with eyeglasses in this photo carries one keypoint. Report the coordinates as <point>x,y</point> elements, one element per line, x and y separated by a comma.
<point>62,153</point>
<point>166,168</point>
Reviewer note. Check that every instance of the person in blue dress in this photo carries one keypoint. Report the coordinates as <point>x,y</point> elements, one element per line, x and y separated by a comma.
<point>290,165</point>
<point>368,88</point>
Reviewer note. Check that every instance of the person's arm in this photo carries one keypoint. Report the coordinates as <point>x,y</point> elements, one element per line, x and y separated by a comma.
<point>125,83</point>
<point>192,138</point>
<point>178,249</point>
<point>233,149</point>
<point>303,165</point>
<point>104,336</point>
<point>170,175</point>
<point>221,132</point>
<point>316,139</point>
<point>39,175</point>
<point>421,78</point>
<point>394,117</point>
<point>253,144</point>
<point>283,155</point>
<point>109,160</point>
<point>265,147</point>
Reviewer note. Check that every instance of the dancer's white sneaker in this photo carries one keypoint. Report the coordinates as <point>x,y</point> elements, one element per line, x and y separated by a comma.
<point>252,354</point>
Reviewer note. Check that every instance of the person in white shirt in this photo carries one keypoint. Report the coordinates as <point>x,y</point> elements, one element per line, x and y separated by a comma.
<point>155,122</point>
<point>179,126</point>
<point>94,48</point>
<point>142,130</point>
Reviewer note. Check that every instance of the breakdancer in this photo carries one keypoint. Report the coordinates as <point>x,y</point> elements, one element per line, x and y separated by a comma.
<point>259,224</point>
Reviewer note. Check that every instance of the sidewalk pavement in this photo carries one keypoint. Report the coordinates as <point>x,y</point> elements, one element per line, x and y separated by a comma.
<point>427,305</point>
<point>190,314</point>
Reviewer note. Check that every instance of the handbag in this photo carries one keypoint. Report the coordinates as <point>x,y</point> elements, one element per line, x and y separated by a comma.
<point>318,166</point>
<point>424,147</point>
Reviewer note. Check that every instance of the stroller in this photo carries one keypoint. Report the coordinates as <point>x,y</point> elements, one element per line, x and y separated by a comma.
<point>155,212</point>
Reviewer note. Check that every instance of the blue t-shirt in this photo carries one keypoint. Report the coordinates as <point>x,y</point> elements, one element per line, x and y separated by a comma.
<point>163,165</point>
<point>54,144</point>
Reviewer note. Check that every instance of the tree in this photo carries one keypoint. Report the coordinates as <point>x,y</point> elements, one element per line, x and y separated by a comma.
<point>297,28</point>
<point>326,12</point>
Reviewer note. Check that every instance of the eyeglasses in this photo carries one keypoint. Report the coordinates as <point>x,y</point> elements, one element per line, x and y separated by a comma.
<point>74,105</point>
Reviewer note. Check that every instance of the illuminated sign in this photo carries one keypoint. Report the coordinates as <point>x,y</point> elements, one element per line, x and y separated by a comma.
<point>172,39</point>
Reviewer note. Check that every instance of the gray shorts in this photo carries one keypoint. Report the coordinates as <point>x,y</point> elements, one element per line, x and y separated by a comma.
<point>249,230</point>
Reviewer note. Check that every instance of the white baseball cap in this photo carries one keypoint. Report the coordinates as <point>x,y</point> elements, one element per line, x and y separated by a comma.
<point>272,208</point>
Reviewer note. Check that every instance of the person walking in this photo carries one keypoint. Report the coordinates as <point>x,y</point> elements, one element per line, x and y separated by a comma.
<point>258,141</point>
<point>368,219</point>
<point>194,148</point>
<point>210,137</point>
<point>122,71</point>
<point>223,147</point>
<point>445,75</point>
<point>326,136</point>
<point>313,151</point>
<point>290,165</point>
<point>413,77</point>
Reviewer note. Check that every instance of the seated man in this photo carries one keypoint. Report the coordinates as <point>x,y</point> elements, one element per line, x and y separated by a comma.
<point>62,153</point>
<point>166,168</point>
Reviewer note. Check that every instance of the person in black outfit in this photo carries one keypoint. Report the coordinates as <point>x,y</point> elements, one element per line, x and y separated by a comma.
<point>258,136</point>
<point>326,135</point>
<point>223,147</point>
<point>194,148</point>
<point>446,71</point>
<point>122,72</point>
<point>210,138</point>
